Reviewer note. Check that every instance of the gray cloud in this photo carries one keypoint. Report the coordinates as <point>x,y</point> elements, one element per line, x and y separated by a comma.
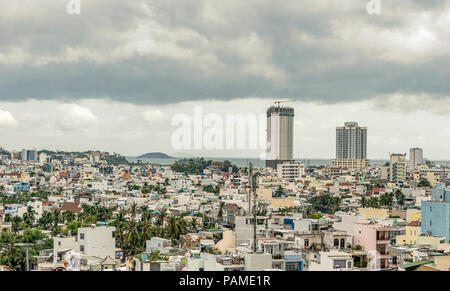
<point>167,51</point>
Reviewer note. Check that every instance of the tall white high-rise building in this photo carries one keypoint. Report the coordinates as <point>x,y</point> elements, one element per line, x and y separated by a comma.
<point>351,146</point>
<point>351,142</point>
<point>415,158</point>
<point>280,135</point>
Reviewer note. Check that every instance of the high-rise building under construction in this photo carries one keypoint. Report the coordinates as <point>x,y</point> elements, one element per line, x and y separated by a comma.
<point>280,135</point>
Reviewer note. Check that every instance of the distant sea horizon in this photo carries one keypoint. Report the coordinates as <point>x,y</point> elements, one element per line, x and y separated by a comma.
<point>258,162</point>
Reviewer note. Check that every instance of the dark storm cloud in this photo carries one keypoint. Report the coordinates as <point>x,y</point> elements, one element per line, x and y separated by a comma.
<point>201,50</point>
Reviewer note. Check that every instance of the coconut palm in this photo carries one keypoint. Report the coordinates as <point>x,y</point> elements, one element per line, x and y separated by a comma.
<point>29,216</point>
<point>68,216</point>
<point>56,219</point>
<point>46,220</point>
<point>363,201</point>
<point>400,198</point>
<point>15,224</point>
<point>373,202</point>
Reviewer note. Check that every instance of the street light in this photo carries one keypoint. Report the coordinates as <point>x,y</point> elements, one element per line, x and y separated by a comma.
<point>27,246</point>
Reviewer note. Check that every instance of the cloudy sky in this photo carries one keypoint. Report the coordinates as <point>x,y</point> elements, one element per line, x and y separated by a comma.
<point>113,77</point>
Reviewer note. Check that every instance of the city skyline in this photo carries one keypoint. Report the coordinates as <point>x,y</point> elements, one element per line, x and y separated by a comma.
<point>209,153</point>
<point>83,89</point>
<point>198,136</point>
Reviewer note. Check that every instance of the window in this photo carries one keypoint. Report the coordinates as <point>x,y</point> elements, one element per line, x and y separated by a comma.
<point>81,235</point>
<point>342,243</point>
<point>339,264</point>
<point>59,243</point>
<point>306,242</point>
<point>81,248</point>
<point>292,266</point>
<point>336,242</point>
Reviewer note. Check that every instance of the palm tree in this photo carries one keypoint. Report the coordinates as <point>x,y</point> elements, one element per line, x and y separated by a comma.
<point>220,213</point>
<point>46,220</point>
<point>121,224</point>
<point>160,221</point>
<point>363,201</point>
<point>56,219</point>
<point>193,224</point>
<point>13,256</point>
<point>68,216</point>
<point>15,224</point>
<point>145,225</point>
<point>29,216</point>
<point>133,232</point>
<point>373,202</point>
<point>400,198</point>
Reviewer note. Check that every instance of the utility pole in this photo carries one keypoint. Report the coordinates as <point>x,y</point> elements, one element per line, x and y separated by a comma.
<point>28,262</point>
<point>252,180</point>
<point>254,213</point>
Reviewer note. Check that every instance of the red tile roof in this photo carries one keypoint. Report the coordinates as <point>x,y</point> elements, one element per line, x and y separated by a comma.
<point>414,223</point>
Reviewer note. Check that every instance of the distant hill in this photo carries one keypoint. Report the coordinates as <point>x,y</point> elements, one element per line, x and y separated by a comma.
<point>155,156</point>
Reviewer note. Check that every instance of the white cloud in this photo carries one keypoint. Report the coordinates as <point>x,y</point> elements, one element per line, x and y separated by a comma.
<point>76,117</point>
<point>7,119</point>
<point>154,116</point>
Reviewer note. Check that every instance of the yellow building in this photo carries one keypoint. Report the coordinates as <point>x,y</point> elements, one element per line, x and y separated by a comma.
<point>431,178</point>
<point>410,236</point>
<point>373,212</point>
<point>442,263</point>
<point>433,241</point>
<point>349,163</point>
<point>282,202</point>
<point>264,193</point>
<point>415,216</point>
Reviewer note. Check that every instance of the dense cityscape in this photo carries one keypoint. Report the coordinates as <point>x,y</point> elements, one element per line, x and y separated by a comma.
<point>224,144</point>
<point>96,211</point>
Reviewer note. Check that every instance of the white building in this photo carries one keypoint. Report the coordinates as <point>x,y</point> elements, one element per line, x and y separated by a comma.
<point>415,158</point>
<point>398,168</point>
<point>280,135</point>
<point>330,261</point>
<point>290,170</point>
<point>97,241</point>
<point>351,142</point>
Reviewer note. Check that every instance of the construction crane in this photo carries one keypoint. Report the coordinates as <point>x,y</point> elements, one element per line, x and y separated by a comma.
<point>282,101</point>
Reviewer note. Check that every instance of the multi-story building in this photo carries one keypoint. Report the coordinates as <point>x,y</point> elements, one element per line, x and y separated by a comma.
<point>436,213</point>
<point>334,260</point>
<point>290,170</point>
<point>351,146</point>
<point>351,141</point>
<point>376,238</point>
<point>415,158</point>
<point>29,155</point>
<point>411,233</point>
<point>97,241</point>
<point>349,163</point>
<point>398,168</point>
<point>280,135</point>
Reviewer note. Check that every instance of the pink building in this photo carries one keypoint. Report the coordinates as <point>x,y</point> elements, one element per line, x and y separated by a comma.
<point>376,237</point>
